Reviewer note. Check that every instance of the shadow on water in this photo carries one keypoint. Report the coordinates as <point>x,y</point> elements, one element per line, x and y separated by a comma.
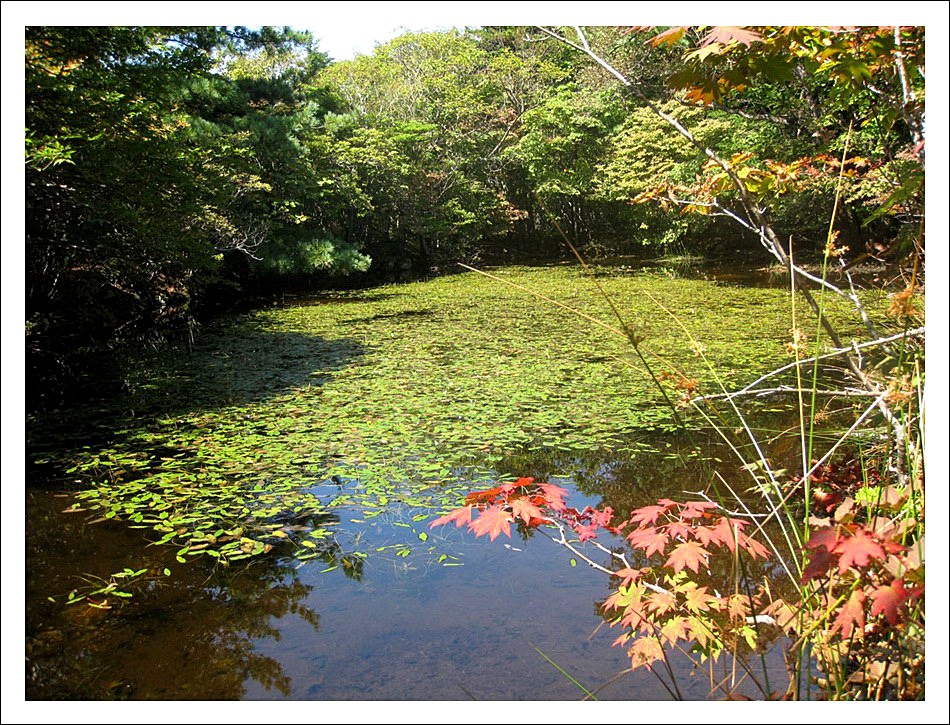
<point>403,315</point>
<point>233,364</point>
<point>238,364</point>
<point>188,634</point>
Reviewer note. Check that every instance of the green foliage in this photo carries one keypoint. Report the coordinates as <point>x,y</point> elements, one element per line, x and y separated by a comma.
<point>647,150</point>
<point>160,160</point>
<point>564,138</point>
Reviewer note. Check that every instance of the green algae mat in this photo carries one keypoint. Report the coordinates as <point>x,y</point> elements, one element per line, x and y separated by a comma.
<point>394,402</point>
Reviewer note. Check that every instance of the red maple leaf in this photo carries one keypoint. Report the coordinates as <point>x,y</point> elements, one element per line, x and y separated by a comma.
<point>695,509</point>
<point>602,518</point>
<point>679,530</point>
<point>827,537</point>
<point>585,531</point>
<point>554,496</point>
<point>459,516</point>
<point>725,532</point>
<point>818,564</point>
<point>688,554</point>
<point>851,614</point>
<point>526,510</point>
<point>647,514</point>
<point>858,549</point>
<point>651,539</point>
<point>887,599</point>
<point>753,547</point>
<point>826,500</point>
<point>488,496</point>
<point>493,521</point>
<point>708,535</point>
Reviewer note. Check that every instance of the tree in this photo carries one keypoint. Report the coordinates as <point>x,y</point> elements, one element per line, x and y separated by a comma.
<point>131,195</point>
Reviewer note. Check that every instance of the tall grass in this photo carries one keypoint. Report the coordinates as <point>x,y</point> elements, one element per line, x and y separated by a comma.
<point>850,526</point>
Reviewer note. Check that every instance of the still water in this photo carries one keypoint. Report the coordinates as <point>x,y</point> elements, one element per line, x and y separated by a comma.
<point>389,610</point>
<point>391,628</point>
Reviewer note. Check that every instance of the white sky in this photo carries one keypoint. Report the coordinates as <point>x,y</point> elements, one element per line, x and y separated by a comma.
<point>347,28</point>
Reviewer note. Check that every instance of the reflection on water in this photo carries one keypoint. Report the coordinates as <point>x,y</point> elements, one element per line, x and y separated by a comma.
<point>188,636</point>
<point>392,629</point>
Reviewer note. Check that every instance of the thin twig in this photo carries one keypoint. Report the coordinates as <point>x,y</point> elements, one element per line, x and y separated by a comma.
<point>790,389</point>
<point>831,353</point>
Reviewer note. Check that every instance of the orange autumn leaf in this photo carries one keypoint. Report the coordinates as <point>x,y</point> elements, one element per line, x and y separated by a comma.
<point>689,554</point>
<point>698,599</point>
<point>661,602</point>
<point>725,34</point>
<point>628,575</point>
<point>526,510</point>
<point>851,617</point>
<point>645,651</point>
<point>493,521</point>
<point>651,540</point>
<point>460,516</point>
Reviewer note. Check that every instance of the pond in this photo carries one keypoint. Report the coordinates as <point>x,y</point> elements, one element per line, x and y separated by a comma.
<point>249,520</point>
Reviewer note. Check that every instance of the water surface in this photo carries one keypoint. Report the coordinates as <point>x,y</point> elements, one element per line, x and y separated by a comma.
<point>308,446</point>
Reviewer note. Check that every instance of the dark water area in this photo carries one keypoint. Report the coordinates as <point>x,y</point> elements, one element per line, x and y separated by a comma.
<point>764,273</point>
<point>481,625</point>
<point>274,632</point>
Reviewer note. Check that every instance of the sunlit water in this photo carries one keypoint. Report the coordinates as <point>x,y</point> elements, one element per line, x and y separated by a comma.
<point>484,627</point>
<point>454,619</point>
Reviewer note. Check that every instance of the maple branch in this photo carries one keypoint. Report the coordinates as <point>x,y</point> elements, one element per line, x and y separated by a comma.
<point>593,564</point>
<point>563,541</point>
<point>763,116</point>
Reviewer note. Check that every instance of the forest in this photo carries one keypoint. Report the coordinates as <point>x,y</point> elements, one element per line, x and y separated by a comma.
<point>260,283</point>
<point>172,170</point>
